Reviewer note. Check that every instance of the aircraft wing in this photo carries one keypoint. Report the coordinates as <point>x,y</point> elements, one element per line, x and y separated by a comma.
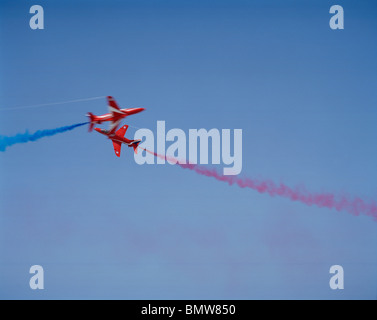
<point>117,114</point>
<point>113,106</point>
<point>122,131</point>
<point>114,125</point>
<point>117,146</point>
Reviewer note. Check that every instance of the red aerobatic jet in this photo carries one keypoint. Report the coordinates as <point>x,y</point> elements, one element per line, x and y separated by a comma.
<point>118,138</point>
<point>115,115</point>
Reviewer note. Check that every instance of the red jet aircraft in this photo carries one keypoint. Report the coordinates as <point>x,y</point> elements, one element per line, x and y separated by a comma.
<point>118,138</point>
<point>115,115</point>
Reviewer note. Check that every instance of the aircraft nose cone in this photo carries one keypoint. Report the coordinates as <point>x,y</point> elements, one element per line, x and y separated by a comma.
<point>134,111</point>
<point>98,130</point>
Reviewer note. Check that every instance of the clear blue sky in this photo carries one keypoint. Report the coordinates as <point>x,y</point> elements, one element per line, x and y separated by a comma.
<point>105,227</point>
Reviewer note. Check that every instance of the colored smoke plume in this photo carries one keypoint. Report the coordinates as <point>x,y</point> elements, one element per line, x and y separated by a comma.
<point>6,141</point>
<point>353,205</point>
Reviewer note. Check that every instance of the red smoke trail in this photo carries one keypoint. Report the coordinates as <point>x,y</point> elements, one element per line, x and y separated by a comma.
<point>355,206</point>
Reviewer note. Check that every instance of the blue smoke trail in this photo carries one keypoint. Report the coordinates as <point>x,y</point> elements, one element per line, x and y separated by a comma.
<point>6,141</point>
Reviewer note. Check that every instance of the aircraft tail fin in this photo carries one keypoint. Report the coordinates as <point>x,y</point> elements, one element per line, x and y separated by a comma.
<point>92,119</point>
<point>135,144</point>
